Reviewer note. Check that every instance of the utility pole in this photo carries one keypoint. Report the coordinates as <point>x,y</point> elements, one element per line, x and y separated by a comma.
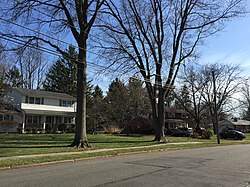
<point>215,109</point>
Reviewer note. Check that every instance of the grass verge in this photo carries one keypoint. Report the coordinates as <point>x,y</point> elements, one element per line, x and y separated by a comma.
<point>13,163</point>
<point>16,145</point>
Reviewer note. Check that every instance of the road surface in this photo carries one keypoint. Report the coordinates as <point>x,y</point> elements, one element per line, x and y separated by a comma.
<point>217,166</point>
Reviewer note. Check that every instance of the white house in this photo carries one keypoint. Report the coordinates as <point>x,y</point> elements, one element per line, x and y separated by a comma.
<point>43,109</point>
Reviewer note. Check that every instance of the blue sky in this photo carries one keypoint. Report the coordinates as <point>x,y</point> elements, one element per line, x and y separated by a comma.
<point>232,45</point>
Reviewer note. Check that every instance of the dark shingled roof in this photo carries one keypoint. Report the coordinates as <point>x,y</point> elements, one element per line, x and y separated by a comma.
<point>43,93</point>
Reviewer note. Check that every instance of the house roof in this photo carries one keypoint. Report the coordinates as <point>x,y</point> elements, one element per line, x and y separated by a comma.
<point>43,93</point>
<point>241,122</point>
<point>175,110</point>
<point>231,123</point>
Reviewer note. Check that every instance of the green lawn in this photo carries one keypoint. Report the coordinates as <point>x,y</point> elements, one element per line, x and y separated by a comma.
<point>15,145</point>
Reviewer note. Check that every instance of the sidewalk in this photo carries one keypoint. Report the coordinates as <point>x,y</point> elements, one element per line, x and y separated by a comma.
<point>91,151</point>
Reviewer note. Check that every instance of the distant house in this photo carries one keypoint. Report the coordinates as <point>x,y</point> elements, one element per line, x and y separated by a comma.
<point>176,118</point>
<point>236,124</point>
<point>43,110</point>
<point>241,125</point>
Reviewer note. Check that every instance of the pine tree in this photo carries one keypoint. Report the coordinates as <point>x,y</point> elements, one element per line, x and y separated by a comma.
<point>14,78</point>
<point>138,101</point>
<point>96,110</point>
<point>62,75</point>
<point>117,103</point>
<point>183,100</point>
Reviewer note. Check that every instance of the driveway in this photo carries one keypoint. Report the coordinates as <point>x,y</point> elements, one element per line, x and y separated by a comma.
<point>216,166</point>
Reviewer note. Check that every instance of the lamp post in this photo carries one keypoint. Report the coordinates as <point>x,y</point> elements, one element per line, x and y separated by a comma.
<point>215,110</point>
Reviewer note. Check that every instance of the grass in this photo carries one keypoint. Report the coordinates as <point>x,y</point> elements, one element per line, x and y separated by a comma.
<point>16,145</point>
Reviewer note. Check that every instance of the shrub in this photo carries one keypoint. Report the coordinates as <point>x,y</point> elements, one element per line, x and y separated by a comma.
<point>140,125</point>
<point>62,127</point>
<point>28,130</point>
<point>20,130</point>
<point>207,134</point>
<point>195,135</point>
<point>204,134</point>
<point>48,128</point>
<point>111,129</point>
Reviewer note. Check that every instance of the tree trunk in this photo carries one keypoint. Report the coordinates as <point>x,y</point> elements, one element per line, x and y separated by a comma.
<point>81,139</point>
<point>159,119</point>
<point>198,125</point>
<point>214,126</point>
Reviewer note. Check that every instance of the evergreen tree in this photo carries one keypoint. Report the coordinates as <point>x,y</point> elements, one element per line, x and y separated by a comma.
<point>96,111</point>
<point>138,101</point>
<point>4,87</point>
<point>62,75</point>
<point>98,93</point>
<point>117,103</point>
<point>125,102</point>
<point>14,78</point>
<point>183,99</point>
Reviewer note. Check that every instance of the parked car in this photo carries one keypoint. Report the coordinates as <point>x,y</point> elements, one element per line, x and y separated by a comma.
<point>180,131</point>
<point>232,134</point>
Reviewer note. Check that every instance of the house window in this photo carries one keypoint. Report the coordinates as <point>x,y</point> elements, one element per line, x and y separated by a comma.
<point>65,103</point>
<point>59,120</point>
<point>31,100</point>
<point>67,119</point>
<point>32,119</point>
<point>35,119</point>
<point>34,100</point>
<point>38,101</point>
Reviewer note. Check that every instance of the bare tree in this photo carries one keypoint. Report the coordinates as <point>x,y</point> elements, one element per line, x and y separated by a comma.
<point>58,18</point>
<point>222,81</point>
<point>245,101</point>
<point>154,37</point>
<point>32,66</point>
<point>192,78</point>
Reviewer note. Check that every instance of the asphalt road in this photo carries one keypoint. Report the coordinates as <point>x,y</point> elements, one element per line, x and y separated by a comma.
<point>216,166</point>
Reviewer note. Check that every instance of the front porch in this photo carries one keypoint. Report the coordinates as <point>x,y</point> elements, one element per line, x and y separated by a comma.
<point>47,122</point>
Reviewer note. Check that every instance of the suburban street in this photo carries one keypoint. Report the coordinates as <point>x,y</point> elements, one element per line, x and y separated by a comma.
<point>216,166</point>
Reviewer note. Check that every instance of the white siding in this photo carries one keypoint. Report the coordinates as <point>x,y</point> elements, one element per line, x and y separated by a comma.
<point>50,104</point>
<point>47,108</point>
